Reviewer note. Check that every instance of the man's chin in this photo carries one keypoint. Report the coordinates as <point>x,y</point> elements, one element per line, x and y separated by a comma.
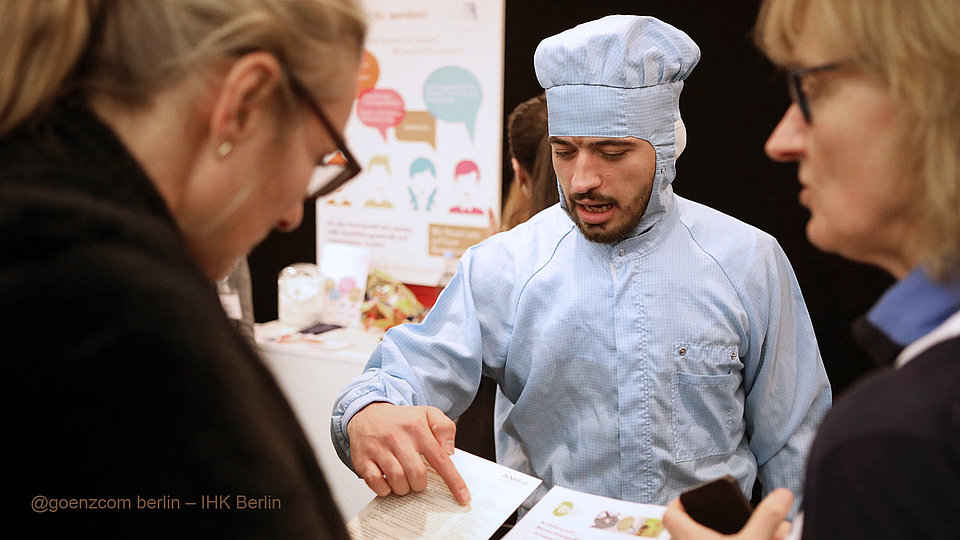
<point>600,233</point>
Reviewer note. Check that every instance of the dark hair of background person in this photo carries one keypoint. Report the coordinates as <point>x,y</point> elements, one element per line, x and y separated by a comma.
<point>730,104</point>
<point>529,144</point>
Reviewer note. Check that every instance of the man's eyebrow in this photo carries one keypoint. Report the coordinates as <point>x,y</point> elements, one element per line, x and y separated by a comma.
<point>613,142</point>
<point>618,142</point>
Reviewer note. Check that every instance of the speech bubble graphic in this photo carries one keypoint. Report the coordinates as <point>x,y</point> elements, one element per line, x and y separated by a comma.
<point>418,126</point>
<point>453,94</point>
<point>380,108</point>
<point>369,72</point>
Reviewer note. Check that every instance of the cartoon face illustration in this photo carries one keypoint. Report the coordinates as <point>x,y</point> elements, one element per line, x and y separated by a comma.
<point>378,179</point>
<point>466,178</point>
<point>423,185</point>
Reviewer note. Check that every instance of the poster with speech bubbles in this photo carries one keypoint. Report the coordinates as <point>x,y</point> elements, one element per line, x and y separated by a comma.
<point>426,128</point>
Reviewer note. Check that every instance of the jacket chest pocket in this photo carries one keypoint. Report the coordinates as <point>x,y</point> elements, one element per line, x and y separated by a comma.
<point>706,409</point>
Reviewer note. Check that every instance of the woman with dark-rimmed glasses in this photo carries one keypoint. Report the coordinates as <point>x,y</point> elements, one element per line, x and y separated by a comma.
<point>145,147</point>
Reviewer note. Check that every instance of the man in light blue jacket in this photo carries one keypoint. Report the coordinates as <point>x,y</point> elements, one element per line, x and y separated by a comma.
<point>642,343</point>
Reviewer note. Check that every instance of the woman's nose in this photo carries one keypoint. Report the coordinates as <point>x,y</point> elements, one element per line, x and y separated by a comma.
<point>291,220</point>
<point>787,141</point>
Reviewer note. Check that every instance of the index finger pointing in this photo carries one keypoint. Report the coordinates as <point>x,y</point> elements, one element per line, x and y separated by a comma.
<point>444,466</point>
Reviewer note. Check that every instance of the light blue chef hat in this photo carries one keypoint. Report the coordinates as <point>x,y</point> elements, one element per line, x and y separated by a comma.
<point>619,76</point>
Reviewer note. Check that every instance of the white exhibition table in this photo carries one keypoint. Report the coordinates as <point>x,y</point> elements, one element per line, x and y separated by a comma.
<point>312,376</point>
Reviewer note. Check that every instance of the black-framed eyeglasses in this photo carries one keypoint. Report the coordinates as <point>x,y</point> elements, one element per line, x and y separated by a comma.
<point>795,85</point>
<point>334,169</point>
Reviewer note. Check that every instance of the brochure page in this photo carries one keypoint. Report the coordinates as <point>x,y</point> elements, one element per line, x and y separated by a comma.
<point>495,492</point>
<point>566,514</point>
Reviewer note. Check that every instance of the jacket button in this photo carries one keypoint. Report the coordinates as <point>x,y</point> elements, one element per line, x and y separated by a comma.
<point>682,351</point>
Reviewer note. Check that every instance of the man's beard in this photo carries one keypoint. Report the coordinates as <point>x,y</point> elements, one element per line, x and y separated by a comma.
<point>609,233</point>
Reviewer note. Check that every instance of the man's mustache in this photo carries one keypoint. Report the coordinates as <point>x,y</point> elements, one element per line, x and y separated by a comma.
<point>593,196</point>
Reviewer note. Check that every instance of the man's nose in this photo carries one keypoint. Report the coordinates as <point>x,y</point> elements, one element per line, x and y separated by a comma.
<point>586,173</point>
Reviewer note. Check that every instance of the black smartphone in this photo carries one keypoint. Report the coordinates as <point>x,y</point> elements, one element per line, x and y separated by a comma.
<point>718,504</point>
<point>320,328</point>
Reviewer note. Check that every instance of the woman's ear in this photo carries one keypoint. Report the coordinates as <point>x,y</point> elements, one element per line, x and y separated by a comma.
<point>245,102</point>
<point>523,179</point>
<point>516,166</point>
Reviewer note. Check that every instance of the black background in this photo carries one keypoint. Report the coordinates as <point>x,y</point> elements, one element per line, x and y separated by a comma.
<point>730,103</point>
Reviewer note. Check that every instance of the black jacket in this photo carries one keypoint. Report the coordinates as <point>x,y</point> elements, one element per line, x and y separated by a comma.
<point>886,460</point>
<point>137,408</point>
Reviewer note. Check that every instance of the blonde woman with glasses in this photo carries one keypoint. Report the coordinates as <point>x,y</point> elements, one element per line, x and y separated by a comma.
<point>875,130</point>
<point>145,147</point>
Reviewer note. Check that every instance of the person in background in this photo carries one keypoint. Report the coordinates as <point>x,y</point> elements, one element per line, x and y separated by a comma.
<point>875,130</point>
<point>145,148</point>
<point>646,343</point>
<point>534,185</point>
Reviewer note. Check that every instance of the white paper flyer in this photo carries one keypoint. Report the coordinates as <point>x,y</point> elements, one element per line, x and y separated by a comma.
<point>495,492</point>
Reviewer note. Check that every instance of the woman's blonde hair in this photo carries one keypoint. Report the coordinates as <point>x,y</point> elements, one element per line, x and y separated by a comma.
<point>913,47</point>
<point>129,50</point>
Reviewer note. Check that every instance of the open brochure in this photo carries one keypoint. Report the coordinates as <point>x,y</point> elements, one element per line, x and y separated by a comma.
<point>565,514</point>
<point>495,492</point>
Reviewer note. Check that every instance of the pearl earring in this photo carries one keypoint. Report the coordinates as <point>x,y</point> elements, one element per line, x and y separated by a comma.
<point>225,148</point>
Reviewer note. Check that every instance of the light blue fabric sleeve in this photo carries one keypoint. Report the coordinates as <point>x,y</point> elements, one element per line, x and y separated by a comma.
<point>438,362</point>
<point>786,386</point>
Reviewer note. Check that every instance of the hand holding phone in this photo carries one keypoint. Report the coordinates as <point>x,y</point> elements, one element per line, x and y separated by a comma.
<point>718,504</point>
